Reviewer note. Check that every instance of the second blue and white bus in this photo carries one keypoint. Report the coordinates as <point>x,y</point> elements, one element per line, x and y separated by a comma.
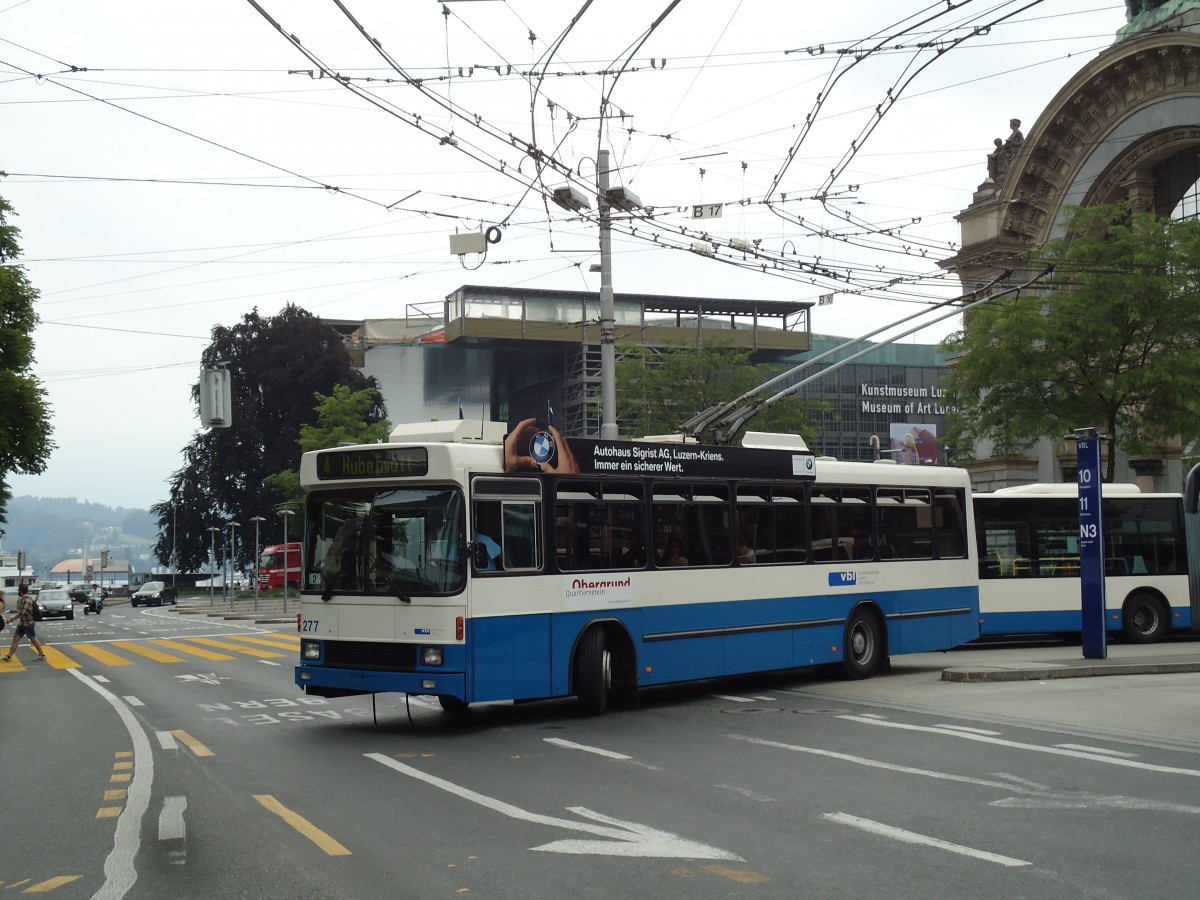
<point>469,563</point>
<point>1028,540</point>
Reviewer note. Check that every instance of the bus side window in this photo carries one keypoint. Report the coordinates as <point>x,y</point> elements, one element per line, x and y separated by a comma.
<point>521,547</point>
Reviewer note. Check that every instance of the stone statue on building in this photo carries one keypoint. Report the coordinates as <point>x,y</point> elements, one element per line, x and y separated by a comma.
<point>1000,160</point>
<point>1142,16</point>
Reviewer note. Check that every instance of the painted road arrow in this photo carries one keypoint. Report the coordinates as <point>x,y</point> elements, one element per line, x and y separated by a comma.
<point>622,838</point>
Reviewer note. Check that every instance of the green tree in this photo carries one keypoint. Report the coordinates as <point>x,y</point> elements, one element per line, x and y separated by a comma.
<point>658,392</point>
<point>276,365</point>
<point>1111,343</point>
<point>345,417</point>
<point>25,443</point>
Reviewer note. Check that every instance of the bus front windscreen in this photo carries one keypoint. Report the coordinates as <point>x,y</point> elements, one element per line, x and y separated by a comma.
<point>401,542</point>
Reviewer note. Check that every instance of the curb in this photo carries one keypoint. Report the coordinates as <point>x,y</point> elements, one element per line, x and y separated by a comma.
<point>970,674</point>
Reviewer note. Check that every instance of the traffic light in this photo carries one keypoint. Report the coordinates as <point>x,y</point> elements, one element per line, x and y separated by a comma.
<point>20,561</point>
<point>103,559</point>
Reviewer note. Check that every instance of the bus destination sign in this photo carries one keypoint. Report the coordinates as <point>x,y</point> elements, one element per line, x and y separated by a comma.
<point>373,462</point>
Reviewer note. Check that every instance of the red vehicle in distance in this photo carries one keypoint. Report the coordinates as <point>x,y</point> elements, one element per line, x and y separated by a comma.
<point>279,563</point>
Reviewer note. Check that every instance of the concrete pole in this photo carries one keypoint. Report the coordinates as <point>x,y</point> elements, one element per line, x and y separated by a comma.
<point>608,355</point>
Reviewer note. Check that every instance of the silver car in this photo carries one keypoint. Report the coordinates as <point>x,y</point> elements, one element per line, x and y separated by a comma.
<point>56,604</point>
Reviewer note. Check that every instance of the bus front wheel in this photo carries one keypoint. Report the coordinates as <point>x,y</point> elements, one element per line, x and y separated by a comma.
<point>1143,619</point>
<point>452,704</point>
<point>593,673</point>
<point>863,645</point>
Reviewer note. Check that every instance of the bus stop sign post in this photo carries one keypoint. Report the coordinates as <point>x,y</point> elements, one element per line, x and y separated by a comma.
<point>1091,544</point>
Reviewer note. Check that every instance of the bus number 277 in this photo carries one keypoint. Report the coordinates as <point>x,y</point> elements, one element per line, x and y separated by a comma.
<point>308,624</point>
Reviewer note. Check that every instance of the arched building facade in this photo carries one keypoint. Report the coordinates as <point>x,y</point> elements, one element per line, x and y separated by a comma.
<point>1126,127</point>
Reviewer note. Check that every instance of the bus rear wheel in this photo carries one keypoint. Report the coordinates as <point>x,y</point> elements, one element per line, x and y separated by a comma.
<point>593,673</point>
<point>1143,619</point>
<point>452,704</point>
<point>863,648</point>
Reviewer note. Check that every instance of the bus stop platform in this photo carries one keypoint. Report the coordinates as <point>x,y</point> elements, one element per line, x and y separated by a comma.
<point>263,611</point>
<point>1043,661</point>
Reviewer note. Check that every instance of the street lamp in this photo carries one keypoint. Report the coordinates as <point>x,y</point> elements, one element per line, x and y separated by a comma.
<point>286,514</point>
<point>256,520</point>
<point>232,554</point>
<point>212,564</point>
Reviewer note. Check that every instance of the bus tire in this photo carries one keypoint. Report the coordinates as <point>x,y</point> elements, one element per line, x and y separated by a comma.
<point>863,646</point>
<point>593,672</point>
<point>1143,619</point>
<point>452,705</point>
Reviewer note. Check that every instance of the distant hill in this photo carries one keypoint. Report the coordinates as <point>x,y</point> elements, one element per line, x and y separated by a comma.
<point>51,529</point>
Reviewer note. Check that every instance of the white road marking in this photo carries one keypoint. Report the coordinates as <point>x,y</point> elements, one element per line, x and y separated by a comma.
<point>166,740</point>
<point>962,728</point>
<point>730,699</point>
<point>170,819</point>
<point>912,837</point>
<point>120,870</point>
<point>1101,750</point>
<point>1037,748</point>
<point>623,838</point>
<point>269,662</point>
<point>875,763</point>
<point>745,792</point>
<point>100,678</point>
<point>133,701</point>
<point>571,745</point>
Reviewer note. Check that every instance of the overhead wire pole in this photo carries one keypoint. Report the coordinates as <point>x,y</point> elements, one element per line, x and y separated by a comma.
<point>608,325</point>
<point>738,417</point>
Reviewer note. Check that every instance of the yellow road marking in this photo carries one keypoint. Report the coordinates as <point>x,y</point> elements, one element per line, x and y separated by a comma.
<point>225,645</point>
<point>123,754</point>
<point>118,794</point>
<point>302,825</point>
<point>119,778</point>
<point>742,876</point>
<point>122,766</point>
<point>148,652</point>
<point>108,812</point>
<point>282,644</point>
<point>13,665</point>
<point>49,884</point>
<point>195,651</point>
<point>58,659</point>
<point>101,655</point>
<point>192,744</point>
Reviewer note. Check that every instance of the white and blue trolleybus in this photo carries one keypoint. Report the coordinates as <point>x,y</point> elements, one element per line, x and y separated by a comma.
<point>1028,540</point>
<point>471,563</point>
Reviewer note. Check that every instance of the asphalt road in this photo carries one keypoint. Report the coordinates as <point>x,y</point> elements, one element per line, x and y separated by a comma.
<point>159,755</point>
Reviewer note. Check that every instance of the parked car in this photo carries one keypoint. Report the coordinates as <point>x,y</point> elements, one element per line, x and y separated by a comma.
<point>80,592</point>
<point>56,604</point>
<point>154,593</point>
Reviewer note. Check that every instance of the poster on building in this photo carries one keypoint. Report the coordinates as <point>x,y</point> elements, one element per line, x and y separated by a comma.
<point>914,444</point>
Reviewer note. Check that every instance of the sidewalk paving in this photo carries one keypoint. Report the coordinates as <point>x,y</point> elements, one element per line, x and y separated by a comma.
<point>1041,662</point>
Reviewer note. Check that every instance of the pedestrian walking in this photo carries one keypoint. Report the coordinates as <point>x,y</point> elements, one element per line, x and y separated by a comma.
<point>26,626</point>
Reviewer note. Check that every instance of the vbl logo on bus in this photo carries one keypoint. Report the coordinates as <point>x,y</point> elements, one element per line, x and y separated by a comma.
<point>842,579</point>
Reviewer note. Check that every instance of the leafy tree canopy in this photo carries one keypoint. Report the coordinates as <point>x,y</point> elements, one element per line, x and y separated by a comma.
<point>658,392</point>
<point>25,443</point>
<point>1111,343</point>
<point>276,365</point>
<point>345,417</point>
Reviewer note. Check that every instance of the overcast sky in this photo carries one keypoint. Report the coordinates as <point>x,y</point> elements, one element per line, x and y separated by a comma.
<point>175,165</point>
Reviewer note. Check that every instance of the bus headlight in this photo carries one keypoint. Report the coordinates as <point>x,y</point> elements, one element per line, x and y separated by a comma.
<point>431,656</point>
<point>310,650</point>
